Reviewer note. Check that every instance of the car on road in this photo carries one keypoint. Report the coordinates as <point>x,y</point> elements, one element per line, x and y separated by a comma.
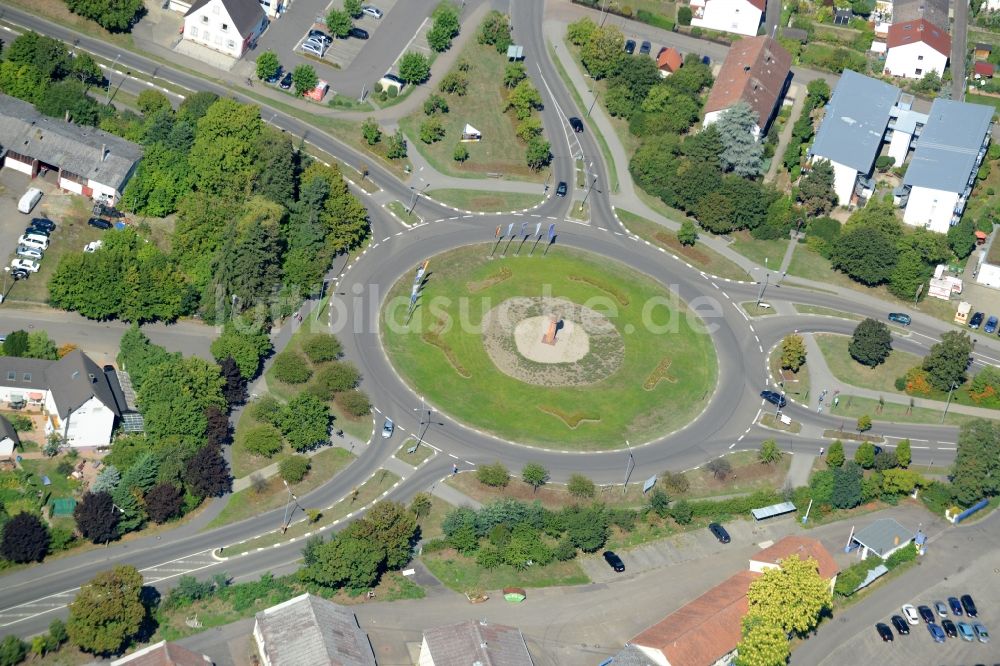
<point>286,81</point>
<point>314,48</point>
<point>374,12</point>
<point>977,320</point>
<point>720,532</point>
<point>941,609</point>
<point>28,252</point>
<point>902,628</point>
<point>561,189</point>
<point>774,398</point>
<point>319,36</point>
<point>937,633</point>
<point>25,265</point>
<point>910,613</point>
<point>645,48</point>
<point>956,605</point>
<point>19,274</point>
<point>614,561</point>
<point>576,124</point>
<point>274,78</point>
<point>969,605</point>
<point>981,633</point>
<point>884,632</point>
<point>357,33</point>
<point>991,325</point>
<point>926,614</point>
<point>630,46</point>
<point>387,429</point>
<point>42,223</point>
<point>99,223</point>
<point>900,318</point>
<point>965,631</point>
<point>949,628</point>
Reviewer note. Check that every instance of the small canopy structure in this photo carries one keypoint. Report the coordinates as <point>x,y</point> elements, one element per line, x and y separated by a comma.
<point>470,133</point>
<point>515,52</point>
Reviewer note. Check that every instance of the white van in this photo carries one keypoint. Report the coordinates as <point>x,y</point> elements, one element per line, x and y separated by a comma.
<point>34,240</point>
<point>28,201</point>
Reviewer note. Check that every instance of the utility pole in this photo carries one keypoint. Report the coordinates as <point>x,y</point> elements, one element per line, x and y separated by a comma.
<point>947,404</point>
<point>592,183</point>
<point>6,270</point>
<point>107,98</point>
<point>292,499</point>
<point>763,288</point>
<point>629,466</point>
<point>596,95</point>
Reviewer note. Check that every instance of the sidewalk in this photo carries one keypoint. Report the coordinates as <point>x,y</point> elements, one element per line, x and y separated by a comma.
<point>799,470</point>
<point>786,131</point>
<point>453,496</point>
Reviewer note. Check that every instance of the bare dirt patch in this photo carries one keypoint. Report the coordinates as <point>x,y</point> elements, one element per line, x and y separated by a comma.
<point>659,374</point>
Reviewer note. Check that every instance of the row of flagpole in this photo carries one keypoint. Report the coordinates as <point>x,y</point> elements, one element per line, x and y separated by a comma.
<point>524,236</point>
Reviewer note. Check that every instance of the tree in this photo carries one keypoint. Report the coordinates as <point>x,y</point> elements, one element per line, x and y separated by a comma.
<point>235,388</point>
<point>961,237</point>
<point>763,642</point>
<point>291,368</point>
<point>25,539</point>
<point>163,502</point>
<point>513,74</point>
<point>909,275</point>
<point>345,561</point>
<point>580,486</point>
<point>529,128</point>
<point>293,468</point>
<point>720,468</point>
<point>268,65</point>
<point>791,597</point>
<point>304,79</point>
<point>524,99</point>
<point>431,130</point>
<point>321,347</point>
<point>12,650</point>
<point>339,23</point>
<point>454,83</point>
<point>741,152</point>
<point>107,480</point>
<point>495,30</point>
<point>539,153</point>
<point>865,455</point>
<point>16,343</point>
<point>495,475</point>
<point>659,502</point>
<point>107,612</point>
<point>535,475</point>
<point>816,189</point>
<point>976,471</point>
<point>885,460</point>
<point>207,473</point>
<point>903,456</point>
<point>602,52</point>
<point>305,422</point>
<point>871,343</point>
<point>96,517</point>
<point>41,346</point>
<point>846,491</point>
<point>769,452</point>
<point>835,455</point>
<point>948,359</point>
<point>866,254</point>
<point>112,15</point>
<point>793,352</point>
<point>461,153</point>
<point>445,27</point>
<point>263,440</point>
<point>421,505</point>
<point>371,131</point>
<point>414,67</point>
<point>353,8</point>
<point>682,512</point>
<point>687,234</point>
<point>396,147</point>
<point>394,529</point>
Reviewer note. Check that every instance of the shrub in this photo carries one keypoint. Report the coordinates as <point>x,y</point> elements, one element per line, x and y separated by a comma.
<point>354,402</point>
<point>720,468</point>
<point>21,423</point>
<point>291,368</point>
<point>264,440</point>
<point>580,486</point>
<point>495,475</point>
<point>675,482</point>
<point>681,512</point>
<point>338,376</point>
<point>659,502</point>
<point>293,468</point>
<point>901,556</point>
<point>461,153</point>
<point>267,409</point>
<point>684,15</point>
<point>321,347</point>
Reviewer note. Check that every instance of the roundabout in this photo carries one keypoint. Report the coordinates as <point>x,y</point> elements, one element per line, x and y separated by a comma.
<point>570,350</point>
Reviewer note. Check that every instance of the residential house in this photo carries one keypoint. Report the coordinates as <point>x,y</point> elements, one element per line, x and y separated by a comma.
<point>474,642</point>
<point>740,16</point>
<point>668,61</point>
<point>916,48</point>
<point>227,26</point>
<point>935,11</point>
<point>88,161</point>
<point>9,439</point>
<point>756,71</point>
<point>163,654</point>
<point>73,392</point>
<point>882,538</point>
<point>943,169</point>
<point>804,548</point>
<point>852,131</point>
<point>310,630</point>
<point>272,8</point>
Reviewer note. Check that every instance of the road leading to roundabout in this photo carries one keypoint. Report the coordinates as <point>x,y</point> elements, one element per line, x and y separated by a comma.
<point>571,350</point>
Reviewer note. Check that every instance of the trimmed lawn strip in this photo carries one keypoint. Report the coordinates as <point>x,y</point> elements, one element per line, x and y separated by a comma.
<point>747,476</point>
<point>366,493</point>
<point>414,459</point>
<point>849,371</point>
<point>485,200</point>
<point>770,421</point>
<point>702,257</point>
<point>400,211</point>
<point>760,251</point>
<point>430,525</point>
<point>752,309</point>
<point>803,308</point>
<point>851,407</point>
<point>551,495</point>
<point>463,575</point>
<point>248,503</point>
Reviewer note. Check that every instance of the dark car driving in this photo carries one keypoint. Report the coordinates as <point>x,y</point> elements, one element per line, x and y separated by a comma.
<point>720,532</point>
<point>884,632</point>
<point>614,561</point>
<point>902,628</point>
<point>576,124</point>
<point>774,398</point>
<point>561,189</point>
<point>900,318</point>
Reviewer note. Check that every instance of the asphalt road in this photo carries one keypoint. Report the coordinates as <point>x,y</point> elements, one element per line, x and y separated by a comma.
<point>959,49</point>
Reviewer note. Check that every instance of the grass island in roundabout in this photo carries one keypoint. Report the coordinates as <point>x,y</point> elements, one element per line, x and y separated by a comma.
<point>569,350</point>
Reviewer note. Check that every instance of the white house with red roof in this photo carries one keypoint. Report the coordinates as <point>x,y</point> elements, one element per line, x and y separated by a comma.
<point>740,16</point>
<point>916,48</point>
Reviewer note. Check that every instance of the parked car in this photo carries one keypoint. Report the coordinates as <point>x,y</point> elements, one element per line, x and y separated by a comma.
<point>910,613</point>
<point>965,631</point>
<point>939,606</point>
<point>937,633</point>
<point>274,78</point>
<point>19,274</point>
<point>28,252</point>
<point>99,223</point>
<point>630,46</point>
<point>35,230</point>
<point>705,60</point>
<point>949,628</point>
<point>956,605</point>
<point>561,189</point>
<point>387,429</point>
<point>576,124</point>
<point>315,48</point>
<point>991,325</point>
<point>43,223</point>
<point>902,628</point>
<point>320,36</point>
<point>31,240</point>
<point>29,199</point>
<point>926,614</point>
<point>286,81</point>
<point>720,532</point>
<point>969,606</point>
<point>374,12</point>
<point>977,320</point>
<point>25,265</point>
<point>884,632</point>
<point>774,398</point>
<point>357,33</point>
<point>900,318</point>
<point>614,561</point>
<point>981,633</point>
<point>394,79</point>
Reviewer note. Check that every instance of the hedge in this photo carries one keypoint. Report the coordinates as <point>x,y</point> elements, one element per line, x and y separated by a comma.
<point>734,505</point>
<point>655,20</point>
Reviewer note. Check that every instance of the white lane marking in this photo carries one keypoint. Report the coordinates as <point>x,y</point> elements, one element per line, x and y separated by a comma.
<point>920,447</point>
<point>453,456</point>
<point>732,445</point>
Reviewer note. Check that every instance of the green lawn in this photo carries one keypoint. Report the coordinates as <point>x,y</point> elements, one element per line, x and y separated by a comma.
<point>484,200</point>
<point>401,211</point>
<point>797,386</point>
<point>748,475</point>
<point>752,309</point>
<point>773,251</point>
<point>430,525</point>
<point>700,256</point>
<point>676,366</point>
<point>60,486</point>
<point>414,459</point>
<point>849,371</point>
<point>500,150</point>
<point>820,310</point>
<point>851,407</point>
<point>462,575</point>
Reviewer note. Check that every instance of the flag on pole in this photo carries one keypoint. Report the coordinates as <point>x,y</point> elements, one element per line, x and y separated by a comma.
<point>510,229</point>
<point>498,232</point>
<point>413,292</point>
<point>552,232</point>
<point>413,298</point>
<point>524,229</point>
<point>538,229</point>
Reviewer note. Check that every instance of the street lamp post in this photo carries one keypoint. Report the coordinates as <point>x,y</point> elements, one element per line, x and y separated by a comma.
<point>947,404</point>
<point>292,500</point>
<point>413,199</point>
<point>425,421</point>
<point>107,97</point>
<point>3,295</point>
<point>763,288</point>
<point>629,466</point>
<point>596,95</point>
<point>592,183</point>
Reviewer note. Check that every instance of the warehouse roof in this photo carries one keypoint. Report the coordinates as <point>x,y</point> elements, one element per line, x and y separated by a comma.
<point>949,145</point>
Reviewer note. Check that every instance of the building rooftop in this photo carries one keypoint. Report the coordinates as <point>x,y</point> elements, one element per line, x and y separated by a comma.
<point>74,379</point>
<point>921,30</point>
<point>311,630</point>
<point>805,548</point>
<point>477,642</point>
<point>949,145</point>
<point>163,654</point>
<point>855,121</point>
<point>935,11</point>
<point>246,14</point>
<point>669,59</point>
<point>754,71</point>
<point>74,148</point>
<point>883,535</point>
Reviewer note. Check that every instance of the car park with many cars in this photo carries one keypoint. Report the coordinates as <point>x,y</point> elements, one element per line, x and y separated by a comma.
<point>969,632</point>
